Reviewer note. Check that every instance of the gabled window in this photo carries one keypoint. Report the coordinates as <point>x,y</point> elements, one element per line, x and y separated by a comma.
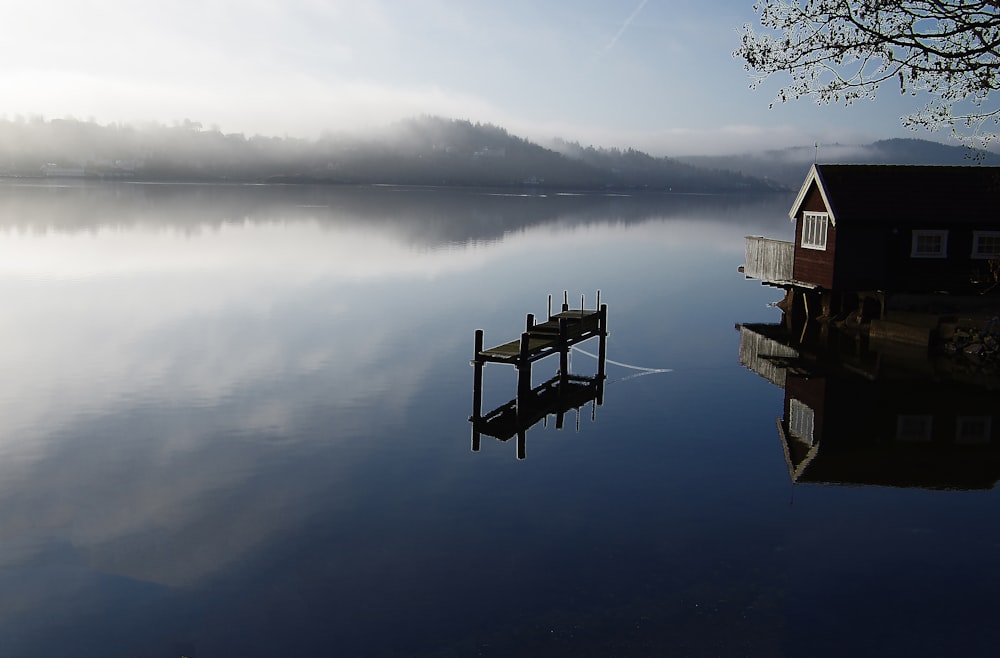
<point>814,227</point>
<point>929,244</point>
<point>986,244</point>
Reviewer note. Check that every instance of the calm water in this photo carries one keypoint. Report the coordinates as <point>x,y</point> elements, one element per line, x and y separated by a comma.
<point>234,421</point>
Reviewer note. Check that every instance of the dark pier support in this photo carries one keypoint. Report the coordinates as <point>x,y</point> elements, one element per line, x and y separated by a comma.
<point>602,352</point>
<point>477,389</point>
<point>523,366</point>
<point>563,347</point>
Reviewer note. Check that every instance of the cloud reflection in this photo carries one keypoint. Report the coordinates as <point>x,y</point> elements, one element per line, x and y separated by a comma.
<point>193,372</point>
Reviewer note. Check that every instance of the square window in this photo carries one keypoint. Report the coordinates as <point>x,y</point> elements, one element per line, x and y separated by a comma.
<point>929,244</point>
<point>986,244</point>
<point>814,229</point>
<point>973,430</point>
<point>914,428</point>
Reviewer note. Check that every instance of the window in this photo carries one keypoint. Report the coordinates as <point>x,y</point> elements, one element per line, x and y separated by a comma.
<point>814,225</point>
<point>929,244</point>
<point>972,430</point>
<point>801,420</point>
<point>914,428</point>
<point>986,244</point>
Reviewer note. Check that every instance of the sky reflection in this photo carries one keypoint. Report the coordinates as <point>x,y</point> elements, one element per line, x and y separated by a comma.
<point>191,399</point>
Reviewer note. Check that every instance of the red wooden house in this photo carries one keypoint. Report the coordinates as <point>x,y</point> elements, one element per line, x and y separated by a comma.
<point>885,229</point>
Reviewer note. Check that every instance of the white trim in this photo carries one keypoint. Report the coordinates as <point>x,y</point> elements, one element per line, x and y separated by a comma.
<point>812,177</point>
<point>815,227</point>
<point>918,233</point>
<point>976,253</point>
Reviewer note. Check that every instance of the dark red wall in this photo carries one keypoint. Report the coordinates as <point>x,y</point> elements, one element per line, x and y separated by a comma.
<point>812,266</point>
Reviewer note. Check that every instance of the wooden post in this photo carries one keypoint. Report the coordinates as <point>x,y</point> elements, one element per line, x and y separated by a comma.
<point>550,307</point>
<point>561,384</point>
<point>477,380</point>
<point>477,390</point>
<point>523,373</point>
<point>565,306</point>
<point>825,305</point>
<point>789,309</point>
<point>521,445</point>
<point>563,347</point>
<point>602,352</point>
<point>529,322</point>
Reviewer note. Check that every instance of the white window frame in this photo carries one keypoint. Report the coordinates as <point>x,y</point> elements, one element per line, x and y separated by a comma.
<point>928,233</point>
<point>801,421</point>
<point>976,251</point>
<point>815,226</point>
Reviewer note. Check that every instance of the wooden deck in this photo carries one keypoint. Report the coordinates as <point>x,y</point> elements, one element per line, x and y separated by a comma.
<point>559,332</point>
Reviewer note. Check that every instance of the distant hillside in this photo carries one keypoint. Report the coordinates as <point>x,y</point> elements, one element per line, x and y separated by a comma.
<point>635,168</point>
<point>788,167</point>
<point>420,151</point>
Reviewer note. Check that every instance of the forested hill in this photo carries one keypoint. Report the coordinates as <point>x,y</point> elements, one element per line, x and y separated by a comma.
<point>421,151</point>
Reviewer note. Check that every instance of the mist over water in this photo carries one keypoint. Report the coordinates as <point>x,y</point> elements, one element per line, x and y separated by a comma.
<point>235,421</point>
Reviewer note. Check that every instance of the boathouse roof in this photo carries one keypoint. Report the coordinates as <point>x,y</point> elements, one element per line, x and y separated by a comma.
<point>910,193</point>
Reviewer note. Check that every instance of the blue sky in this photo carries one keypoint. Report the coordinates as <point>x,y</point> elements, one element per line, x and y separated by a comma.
<point>653,74</point>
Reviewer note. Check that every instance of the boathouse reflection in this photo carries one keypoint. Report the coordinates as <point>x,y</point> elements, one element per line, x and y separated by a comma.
<point>862,416</point>
<point>557,396</point>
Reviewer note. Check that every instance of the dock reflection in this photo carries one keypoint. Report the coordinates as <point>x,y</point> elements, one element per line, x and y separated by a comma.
<point>861,414</point>
<point>556,397</point>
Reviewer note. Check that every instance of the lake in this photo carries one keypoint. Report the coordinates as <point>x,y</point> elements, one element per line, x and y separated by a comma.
<point>235,421</point>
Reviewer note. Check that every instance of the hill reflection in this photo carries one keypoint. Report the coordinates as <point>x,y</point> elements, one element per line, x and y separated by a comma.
<point>424,216</point>
<point>862,415</point>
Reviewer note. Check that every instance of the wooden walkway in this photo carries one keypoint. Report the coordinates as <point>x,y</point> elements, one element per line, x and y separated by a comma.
<point>558,333</point>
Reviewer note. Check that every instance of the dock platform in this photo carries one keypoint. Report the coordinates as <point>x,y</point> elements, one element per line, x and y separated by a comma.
<point>556,335</point>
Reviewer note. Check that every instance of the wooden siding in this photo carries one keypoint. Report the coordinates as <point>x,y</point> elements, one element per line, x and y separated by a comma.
<point>768,260</point>
<point>864,261</point>
<point>812,265</point>
<point>758,352</point>
<point>876,256</point>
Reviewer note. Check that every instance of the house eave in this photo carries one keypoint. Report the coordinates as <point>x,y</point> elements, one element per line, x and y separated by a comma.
<point>814,176</point>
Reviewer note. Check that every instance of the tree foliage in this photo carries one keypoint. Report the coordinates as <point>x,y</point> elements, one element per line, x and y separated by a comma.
<point>947,51</point>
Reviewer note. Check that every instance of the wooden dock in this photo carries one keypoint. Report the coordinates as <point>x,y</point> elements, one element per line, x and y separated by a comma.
<point>556,335</point>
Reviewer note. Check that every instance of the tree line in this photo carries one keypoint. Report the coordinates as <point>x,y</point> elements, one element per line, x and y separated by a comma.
<point>419,151</point>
